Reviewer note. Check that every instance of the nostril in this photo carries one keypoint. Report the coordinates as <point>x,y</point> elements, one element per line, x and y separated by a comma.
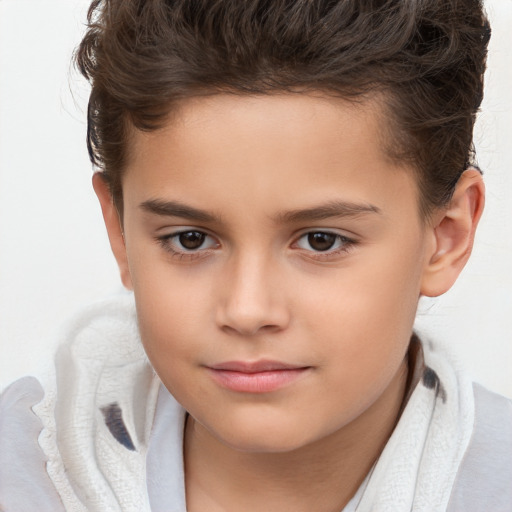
<point>251,331</point>
<point>250,323</point>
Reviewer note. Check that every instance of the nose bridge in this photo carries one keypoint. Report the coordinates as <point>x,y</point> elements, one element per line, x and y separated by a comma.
<point>252,299</point>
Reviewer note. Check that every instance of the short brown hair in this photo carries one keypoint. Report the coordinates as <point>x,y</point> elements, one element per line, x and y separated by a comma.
<point>427,57</point>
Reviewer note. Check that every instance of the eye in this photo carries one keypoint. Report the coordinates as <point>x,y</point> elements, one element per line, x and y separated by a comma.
<point>191,240</point>
<point>323,241</point>
<point>187,242</point>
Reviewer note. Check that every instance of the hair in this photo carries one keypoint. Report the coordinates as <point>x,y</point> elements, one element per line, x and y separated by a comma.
<point>426,58</point>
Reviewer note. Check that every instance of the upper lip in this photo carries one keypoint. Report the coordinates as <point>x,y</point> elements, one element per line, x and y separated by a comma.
<point>255,366</point>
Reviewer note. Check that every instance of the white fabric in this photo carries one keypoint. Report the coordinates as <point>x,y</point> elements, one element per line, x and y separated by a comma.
<point>24,487</point>
<point>165,470</point>
<point>415,472</point>
<point>101,366</point>
<point>418,466</point>
<point>166,483</point>
<point>484,480</point>
<point>100,362</point>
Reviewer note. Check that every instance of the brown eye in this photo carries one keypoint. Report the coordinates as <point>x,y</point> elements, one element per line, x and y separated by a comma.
<point>321,241</point>
<point>191,239</point>
<point>190,243</point>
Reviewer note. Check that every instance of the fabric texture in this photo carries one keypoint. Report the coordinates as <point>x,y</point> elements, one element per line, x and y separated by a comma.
<point>107,436</point>
<point>484,480</point>
<point>98,423</point>
<point>24,485</point>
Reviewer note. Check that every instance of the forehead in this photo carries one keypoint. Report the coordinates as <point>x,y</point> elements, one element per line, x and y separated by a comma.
<point>286,147</point>
<point>259,119</point>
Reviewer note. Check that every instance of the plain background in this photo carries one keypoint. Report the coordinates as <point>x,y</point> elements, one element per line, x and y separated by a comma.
<point>54,253</point>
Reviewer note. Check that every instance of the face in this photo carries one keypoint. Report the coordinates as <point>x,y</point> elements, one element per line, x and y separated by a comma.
<point>276,255</point>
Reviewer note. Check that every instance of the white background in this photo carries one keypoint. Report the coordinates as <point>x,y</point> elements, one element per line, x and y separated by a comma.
<point>54,254</point>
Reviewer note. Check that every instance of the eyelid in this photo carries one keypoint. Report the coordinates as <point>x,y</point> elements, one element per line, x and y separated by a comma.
<point>349,242</point>
<point>172,231</point>
<point>165,241</point>
<point>329,231</point>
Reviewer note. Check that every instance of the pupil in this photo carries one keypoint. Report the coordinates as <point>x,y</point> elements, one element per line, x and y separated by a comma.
<point>321,241</point>
<point>192,239</point>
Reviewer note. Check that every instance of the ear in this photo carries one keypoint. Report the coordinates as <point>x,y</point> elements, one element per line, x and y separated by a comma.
<point>453,235</point>
<point>114,227</point>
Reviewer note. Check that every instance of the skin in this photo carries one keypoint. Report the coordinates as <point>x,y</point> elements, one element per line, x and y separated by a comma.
<point>258,289</point>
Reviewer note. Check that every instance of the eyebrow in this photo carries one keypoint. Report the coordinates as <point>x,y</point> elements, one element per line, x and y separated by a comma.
<point>325,211</point>
<point>177,209</point>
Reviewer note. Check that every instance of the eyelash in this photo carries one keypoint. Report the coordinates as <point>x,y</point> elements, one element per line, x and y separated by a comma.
<point>345,245</point>
<point>192,254</point>
<point>166,242</point>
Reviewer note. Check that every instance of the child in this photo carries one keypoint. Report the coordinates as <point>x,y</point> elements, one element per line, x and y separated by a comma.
<point>280,181</point>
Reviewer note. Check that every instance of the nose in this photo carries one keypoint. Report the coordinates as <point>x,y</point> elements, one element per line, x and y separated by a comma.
<point>253,300</point>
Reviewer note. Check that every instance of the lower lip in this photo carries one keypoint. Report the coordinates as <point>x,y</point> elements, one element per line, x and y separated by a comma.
<point>258,382</point>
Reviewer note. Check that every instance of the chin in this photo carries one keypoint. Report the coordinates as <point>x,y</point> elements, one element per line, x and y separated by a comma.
<point>266,445</point>
<point>264,438</point>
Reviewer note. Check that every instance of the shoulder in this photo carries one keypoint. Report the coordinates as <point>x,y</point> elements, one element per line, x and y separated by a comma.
<point>24,482</point>
<point>484,479</point>
<point>81,442</point>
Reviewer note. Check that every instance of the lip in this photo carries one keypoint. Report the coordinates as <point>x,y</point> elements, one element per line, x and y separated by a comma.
<point>256,377</point>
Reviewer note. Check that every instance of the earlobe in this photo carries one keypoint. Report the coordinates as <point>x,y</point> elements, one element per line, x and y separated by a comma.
<point>453,235</point>
<point>114,227</point>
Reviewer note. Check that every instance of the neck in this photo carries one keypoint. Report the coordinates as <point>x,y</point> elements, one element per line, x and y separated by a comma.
<point>320,476</point>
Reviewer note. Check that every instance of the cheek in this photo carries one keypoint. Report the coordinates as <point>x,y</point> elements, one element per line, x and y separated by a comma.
<point>365,316</point>
<point>167,307</point>
<point>176,338</point>
<point>379,292</point>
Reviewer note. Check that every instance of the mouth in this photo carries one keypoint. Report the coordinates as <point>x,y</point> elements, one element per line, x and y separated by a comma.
<point>256,377</point>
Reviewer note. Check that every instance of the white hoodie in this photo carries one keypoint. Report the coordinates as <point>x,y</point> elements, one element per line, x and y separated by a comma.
<point>112,435</point>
